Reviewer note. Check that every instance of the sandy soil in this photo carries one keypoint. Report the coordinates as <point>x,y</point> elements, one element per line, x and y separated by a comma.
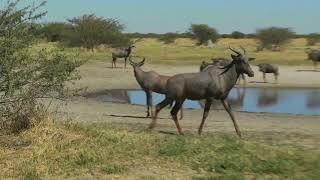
<point>99,76</point>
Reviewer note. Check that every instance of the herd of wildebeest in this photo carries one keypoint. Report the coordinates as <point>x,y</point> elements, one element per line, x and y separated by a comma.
<point>214,81</point>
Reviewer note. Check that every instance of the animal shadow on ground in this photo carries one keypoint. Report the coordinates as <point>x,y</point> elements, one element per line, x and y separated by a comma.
<point>108,67</point>
<point>168,133</point>
<point>128,116</point>
<point>257,82</point>
<point>261,82</point>
<point>308,70</point>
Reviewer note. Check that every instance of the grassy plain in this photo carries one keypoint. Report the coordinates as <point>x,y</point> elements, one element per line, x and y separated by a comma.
<point>184,51</point>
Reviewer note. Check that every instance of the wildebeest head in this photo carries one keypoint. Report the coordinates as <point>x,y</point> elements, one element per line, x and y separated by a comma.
<point>139,64</point>
<point>241,62</point>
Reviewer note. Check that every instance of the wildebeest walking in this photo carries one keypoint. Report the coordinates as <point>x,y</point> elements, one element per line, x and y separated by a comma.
<point>314,56</point>
<point>269,68</point>
<point>215,82</point>
<point>150,82</point>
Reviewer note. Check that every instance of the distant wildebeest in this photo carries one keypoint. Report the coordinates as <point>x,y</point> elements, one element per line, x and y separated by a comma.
<point>222,62</point>
<point>213,83</point>
<point>314,56</point>
<point>150,82</point>
<point>269,68</point>
<point>123,53</point>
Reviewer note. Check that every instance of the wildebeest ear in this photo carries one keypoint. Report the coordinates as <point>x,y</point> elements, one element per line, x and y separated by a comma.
<point>234,57</point>
<point>251,59</point>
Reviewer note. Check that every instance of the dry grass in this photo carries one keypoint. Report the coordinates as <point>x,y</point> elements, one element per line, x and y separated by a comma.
<point>184,51</point>
<point>55,150</point>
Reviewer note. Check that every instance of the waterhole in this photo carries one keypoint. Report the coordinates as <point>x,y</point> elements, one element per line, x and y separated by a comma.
<point>273,100</point>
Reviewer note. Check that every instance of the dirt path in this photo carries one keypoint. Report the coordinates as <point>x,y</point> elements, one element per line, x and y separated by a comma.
<point>98,76</point>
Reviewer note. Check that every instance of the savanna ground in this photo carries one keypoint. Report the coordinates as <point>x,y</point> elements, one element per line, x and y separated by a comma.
<point>91,139</point>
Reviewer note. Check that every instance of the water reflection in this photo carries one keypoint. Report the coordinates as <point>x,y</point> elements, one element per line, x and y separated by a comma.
<point>267,97</point>
<point>313,100</point>
<point>114,95</point>
<point>273,100</point>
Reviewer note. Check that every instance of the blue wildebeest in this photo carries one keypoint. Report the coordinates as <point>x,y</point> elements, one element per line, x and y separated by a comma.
<point>269,68</point>
<point>213,83</point>
<point>150,82</point>
<point>222,62</point>
<point>314,56</point>
<point>123,53</point>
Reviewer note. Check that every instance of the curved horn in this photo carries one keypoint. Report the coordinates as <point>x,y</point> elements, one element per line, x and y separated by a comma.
<point>130,60</point>
<point>142,62</point>
<point>244,50</point>
<point>234,51</point>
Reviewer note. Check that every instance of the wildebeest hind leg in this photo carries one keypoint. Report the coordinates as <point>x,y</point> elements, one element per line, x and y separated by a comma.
<point>159,106</point>
<point>174,113</point>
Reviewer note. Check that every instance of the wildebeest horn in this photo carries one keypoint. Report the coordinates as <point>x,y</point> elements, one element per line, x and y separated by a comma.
<point>141,62</point>
<point>137,64</point>
<point>227,67</point>
<point>237,52</point>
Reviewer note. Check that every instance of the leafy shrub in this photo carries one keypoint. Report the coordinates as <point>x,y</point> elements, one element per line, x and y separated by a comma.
<point>27,76</point>
<point>90,31</point>
<point>273,38</point>
<point>203,33</point>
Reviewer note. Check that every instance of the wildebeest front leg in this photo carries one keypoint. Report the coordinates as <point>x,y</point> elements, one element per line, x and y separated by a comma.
<point>125,62</point>
<point>205,114</point>
<point>181,112</point>
<point>114,62</point>
<point>264,77</point>
<point>229,110</point>
<point>174,113</point>
<point>276,78</point>
<point>243,78</point>
<point>149,103</point>
<point>159,106</point>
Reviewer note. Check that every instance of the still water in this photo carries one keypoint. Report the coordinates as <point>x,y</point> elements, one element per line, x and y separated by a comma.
<point>273,100</point>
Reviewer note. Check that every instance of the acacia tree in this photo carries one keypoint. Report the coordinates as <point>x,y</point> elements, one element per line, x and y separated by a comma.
<point>90,31</point>
<point>237,35</point>
<point>203,33</point>
<point>273,38</point>
<point>27,75</point>
<point>54,31</point>
<point>169,37</point>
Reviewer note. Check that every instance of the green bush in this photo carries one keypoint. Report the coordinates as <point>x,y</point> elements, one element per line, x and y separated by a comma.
<point>90,31</point>
<point>168,38</point>
<point>27,76</point>
<point>203,33</point>
<point>237,35</point>
<point>55,31</point>
<point>273,38</point>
